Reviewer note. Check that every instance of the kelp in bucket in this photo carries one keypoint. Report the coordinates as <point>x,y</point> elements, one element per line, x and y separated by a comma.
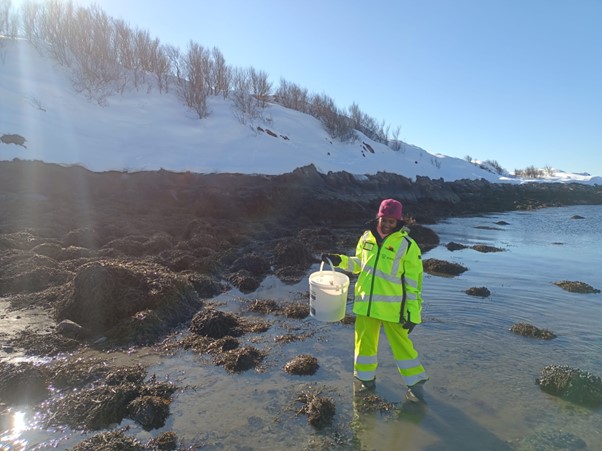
<point>328,294</point>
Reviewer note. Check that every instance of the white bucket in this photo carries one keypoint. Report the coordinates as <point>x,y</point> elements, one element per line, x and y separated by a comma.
<point>328,295</point>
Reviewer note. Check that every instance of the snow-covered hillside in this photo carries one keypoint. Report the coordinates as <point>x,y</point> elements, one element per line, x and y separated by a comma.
<point>145,130</point>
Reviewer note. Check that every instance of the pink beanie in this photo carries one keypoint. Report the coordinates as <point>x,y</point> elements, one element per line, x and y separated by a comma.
<point>390,208</point>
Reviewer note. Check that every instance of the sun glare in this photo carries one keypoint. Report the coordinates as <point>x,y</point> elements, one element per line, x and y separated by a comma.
<point>18,424</point>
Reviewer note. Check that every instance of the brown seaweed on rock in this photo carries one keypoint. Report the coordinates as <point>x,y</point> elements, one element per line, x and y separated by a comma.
<point>442,267</point>
<point>296,310</point>
<point>43,344</point>
<point>128,301</point>
<point>528,330</point>
<point>244,280</point>
<point>304,364</point>
<point>576,287</point>
<point>426,238</point>
<point>370,402</point>
<point>215,324</point>
<point>111,440</point>
<point>320,410</point>
<point>478,291</point>
<point>264,306</point>
<point>164,441</point>
<point>486,249</point>
<point>121,394</point>
<point>148,411</point>
<point>572,384</point>
<point>240,359</point>
<point>22,383</point>
<point>452,246</point>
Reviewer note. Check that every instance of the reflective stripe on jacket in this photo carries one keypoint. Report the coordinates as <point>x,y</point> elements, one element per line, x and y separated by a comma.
<point>389,283</point>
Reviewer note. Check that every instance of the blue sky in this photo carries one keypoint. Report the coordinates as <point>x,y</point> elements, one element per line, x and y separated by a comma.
<point>515,81</point>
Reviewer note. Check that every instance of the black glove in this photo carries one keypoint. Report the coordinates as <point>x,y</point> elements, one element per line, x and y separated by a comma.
<point>334,258</point>
<point>409,325</point>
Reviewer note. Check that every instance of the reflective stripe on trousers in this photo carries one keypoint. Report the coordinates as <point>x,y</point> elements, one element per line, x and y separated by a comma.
<point>367,332</point>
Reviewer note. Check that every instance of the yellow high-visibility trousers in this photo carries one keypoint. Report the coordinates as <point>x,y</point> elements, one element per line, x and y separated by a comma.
<point>367,332</point>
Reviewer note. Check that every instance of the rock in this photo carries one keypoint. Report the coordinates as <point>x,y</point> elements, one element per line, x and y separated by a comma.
<point>572,384</point>
<point>215,324</point>
<point>455,246</point>
<point>22,383</point>
<point>71,329</point>
<point>165,441</point>
<point>110,440</point>
<point>528,330</point>
<point>150,412</point>
<point>426,238</point>
<point>132,301</point>
<point>244,280</point>
<point>485,249</point>
<point>441,267</point>
<point>292,253</point>
<point>478,291</point>
<point>240,359</point>
<point>320,410</point>
<point>251,262</point>
<point>302,365</point>
<point>576,287</point>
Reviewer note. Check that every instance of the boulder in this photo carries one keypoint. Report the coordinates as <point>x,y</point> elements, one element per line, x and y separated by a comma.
<point>572,384</point>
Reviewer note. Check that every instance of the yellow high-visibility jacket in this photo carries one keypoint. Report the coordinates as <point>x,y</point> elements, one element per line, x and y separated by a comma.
<point>389,284</point>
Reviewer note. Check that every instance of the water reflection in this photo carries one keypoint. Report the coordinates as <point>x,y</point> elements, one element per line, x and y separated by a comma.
<point>13,424</point>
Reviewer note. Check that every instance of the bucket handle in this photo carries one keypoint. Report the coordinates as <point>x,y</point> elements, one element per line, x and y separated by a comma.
<point>332,266</point>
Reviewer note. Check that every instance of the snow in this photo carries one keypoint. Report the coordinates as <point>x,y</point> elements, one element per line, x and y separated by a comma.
<point>143,130</point>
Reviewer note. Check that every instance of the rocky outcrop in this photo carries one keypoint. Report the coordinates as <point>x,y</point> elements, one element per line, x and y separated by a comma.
<point>305,195</point>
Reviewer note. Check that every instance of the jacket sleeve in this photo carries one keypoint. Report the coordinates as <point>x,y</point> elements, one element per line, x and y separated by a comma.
<point>353,264</point>
<point>413,273</point>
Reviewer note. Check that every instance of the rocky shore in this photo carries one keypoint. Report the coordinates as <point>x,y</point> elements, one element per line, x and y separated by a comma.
<point>74,243</point>
<point>105,260</point>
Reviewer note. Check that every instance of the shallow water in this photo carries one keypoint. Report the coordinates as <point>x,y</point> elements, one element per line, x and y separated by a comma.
<point>482,392</point>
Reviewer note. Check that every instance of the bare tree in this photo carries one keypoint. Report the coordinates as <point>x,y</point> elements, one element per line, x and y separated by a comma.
<point>96,70</point>
<point>334,120</point>
<point>176,61</point>
<point>394,143</point>
<point>222,74</point>
<point>248,106</point>
<point>160,65</point>
<point>9,19</point>
<point>194,87</point>
<point>30,15</point>
<point>355,114</point>
<point>5,9</point>
<point>290,95</point>
<point>142,45</point>
<point>384,132</point>
<point>56,25</point>
<point>260,86</point>
<point>496,166</point>
<point>124,44</point>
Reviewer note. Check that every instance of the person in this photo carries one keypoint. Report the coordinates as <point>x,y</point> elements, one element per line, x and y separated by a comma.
<point>388,294</point>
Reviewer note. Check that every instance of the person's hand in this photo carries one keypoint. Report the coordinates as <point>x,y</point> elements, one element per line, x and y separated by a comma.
<point>334,259</point>
<point>409,326</point>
